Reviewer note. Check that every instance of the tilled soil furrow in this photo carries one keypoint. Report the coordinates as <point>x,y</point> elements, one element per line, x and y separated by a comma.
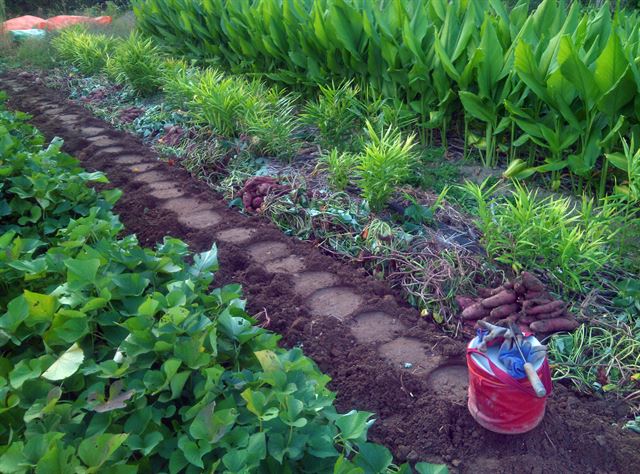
<point>381,354</point>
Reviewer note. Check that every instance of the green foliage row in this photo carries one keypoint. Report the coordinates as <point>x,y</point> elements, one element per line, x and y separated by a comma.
<point>135,60</point>
<point>555,87</point>
<point>86,51</point>
<point>119,359</point>
<point>235,105</point>
<point>571,242</point>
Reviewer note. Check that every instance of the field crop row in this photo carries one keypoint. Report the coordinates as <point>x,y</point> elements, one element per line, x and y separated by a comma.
<point>120,359</point>
<point>553,90</point>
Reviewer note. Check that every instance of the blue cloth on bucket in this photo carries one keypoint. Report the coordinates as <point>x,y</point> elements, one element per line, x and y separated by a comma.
<point>510,357</point>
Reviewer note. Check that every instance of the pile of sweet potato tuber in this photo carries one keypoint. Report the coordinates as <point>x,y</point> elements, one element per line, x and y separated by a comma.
<point>524,301</point>
<point>257,188</point>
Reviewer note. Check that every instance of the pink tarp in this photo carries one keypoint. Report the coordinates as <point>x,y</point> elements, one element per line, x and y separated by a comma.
<point>62,21</point>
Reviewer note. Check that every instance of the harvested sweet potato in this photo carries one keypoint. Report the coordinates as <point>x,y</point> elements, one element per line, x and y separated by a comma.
<point>485,292</point>
<point>499,299</point>
<point>555,314</point>
<point>464,301</point>
<point>255,189</point>
<point>532,295</point>
<point>524,300</point>
<point>475,311</point>
<point>524,319</point>
<point>504,310</point>
<point>535,302</point>
<point>247,200</point>
<point>532,282</point>
<point>554,325</point>
<point>546,308</point>
<point>508,320</point>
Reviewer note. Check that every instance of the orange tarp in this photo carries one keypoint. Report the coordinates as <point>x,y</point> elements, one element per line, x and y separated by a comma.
<point>62,21</point>
<point>29,22</point>
<point>22,23</point>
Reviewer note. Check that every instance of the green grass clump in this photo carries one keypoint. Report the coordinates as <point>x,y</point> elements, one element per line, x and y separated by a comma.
<point>570,242</point>
<point>212,99</point>
<point>385,163</point>
<point>340,167</point>
<point>273,124</point>
<point>234,106</point>
<point>137,62</point>
<point>337,113</point>
<point>85,51</point>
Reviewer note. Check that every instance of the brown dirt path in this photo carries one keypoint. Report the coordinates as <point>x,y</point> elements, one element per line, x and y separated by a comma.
<point>356,328</point>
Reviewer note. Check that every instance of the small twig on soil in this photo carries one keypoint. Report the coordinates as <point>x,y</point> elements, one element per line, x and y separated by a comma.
<point>549,438</point>
<point>402,387</point>
<point>266,317</point>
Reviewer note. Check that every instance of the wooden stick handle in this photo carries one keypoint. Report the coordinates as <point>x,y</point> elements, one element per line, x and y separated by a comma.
<point>536,383</point>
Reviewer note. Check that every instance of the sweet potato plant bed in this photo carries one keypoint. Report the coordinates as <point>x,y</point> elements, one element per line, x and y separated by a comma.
<point>357,329</point>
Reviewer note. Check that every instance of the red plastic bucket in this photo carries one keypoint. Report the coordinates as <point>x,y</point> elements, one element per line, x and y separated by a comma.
<point>497,401</point>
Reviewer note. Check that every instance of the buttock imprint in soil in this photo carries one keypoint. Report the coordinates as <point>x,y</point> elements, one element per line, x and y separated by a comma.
<point>200,219</point>
<point>410,355</point>
<point>53,111</point>
<point>163,185</point>
<point>165,190</point>
<point>337,301</point>
<point>102,141</point>
<point>40,104</point>
<point>129,159</point>
<point>263,252</point>
<point>290,264</point>
<point>306,283</point>
<point>150,176</point>
<point>110,150</point>
<point>167,193</point>
<point>184,206</point>
<point>69,118</point>
<point>450,382</point>
<point>91,131</point>
<point>236,235</point>
<point>141,168</point>
<point>375,326</point>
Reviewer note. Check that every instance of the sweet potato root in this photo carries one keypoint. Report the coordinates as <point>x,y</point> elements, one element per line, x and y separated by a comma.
<point>485,292</point>
<point>555,314</point>
<point>255,189</point>
<point>535,302</point>
<point>554,325</point>
<point>475,311</point>
<point>504,310</point>
<point>546,308</point>
<point>499,299</point>
<point>464,301</point>
<point>524,319</point>
<point>532,282</point>
<point>508,320</point>
<point>523,300</point>
<point>532,295</point>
